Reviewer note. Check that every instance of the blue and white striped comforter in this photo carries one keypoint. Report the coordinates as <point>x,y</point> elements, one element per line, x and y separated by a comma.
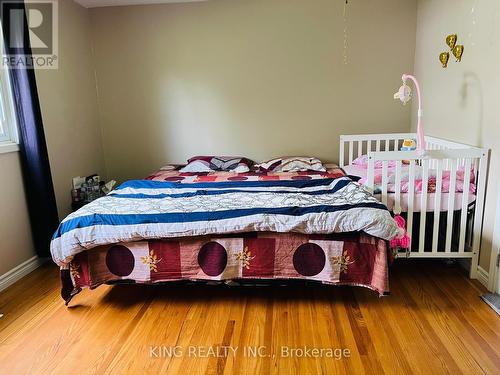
<point>142,209</point>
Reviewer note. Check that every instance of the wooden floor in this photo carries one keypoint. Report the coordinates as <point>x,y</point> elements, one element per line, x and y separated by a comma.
<point>433,322</point>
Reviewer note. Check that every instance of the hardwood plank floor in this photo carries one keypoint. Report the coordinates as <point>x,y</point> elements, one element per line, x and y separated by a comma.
<point>433,322</point>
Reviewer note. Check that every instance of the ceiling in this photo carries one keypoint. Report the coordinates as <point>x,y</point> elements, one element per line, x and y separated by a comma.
<point>110,3</point>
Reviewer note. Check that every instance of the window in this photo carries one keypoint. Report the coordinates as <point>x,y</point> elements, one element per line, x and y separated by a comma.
<point>8,129</point>
<point>8,123</point>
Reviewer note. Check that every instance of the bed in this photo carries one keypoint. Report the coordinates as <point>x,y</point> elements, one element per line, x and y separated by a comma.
<point>440,193</point>
<point>228,227</point>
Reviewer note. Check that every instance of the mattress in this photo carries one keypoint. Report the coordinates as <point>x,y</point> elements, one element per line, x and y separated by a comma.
<point>354,259</point>
<point>353,170</point>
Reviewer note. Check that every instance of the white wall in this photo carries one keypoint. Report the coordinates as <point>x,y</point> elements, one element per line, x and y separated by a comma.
<point>68,99</point>
<point>259,78</point>
<point>461,102</point>
<point>16,245</point>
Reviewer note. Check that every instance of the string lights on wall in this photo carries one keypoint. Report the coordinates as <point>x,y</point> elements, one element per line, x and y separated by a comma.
<point>346,30</point>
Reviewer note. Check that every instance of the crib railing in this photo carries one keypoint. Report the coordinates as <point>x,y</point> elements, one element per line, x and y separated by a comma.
<point>442,156</point>
<point>363,144</point>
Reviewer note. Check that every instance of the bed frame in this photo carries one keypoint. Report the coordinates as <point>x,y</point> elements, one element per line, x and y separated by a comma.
<point>440,155</point>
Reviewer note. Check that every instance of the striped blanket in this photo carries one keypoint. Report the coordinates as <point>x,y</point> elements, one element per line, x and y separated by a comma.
<point>144,209</point>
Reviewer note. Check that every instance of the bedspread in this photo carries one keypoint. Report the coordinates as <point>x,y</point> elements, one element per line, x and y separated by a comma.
<point>172,173</point>
<point>145,209</point>
<point>345,259</point>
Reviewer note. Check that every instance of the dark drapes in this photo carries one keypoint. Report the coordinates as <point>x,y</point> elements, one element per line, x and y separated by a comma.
<point>34,157</point>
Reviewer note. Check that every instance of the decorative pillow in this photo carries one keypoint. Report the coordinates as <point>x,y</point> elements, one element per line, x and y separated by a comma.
<point>292,164</point>
<point>200,164</point>
<point>197,166</point>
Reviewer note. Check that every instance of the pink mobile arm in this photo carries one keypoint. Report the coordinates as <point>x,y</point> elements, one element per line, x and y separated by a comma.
<point>420,127</point>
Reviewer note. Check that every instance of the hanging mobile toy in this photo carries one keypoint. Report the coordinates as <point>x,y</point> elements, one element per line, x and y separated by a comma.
<point>404,94</point>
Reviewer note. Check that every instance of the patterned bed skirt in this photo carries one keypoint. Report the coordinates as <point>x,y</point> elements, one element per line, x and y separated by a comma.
<point>338,259</point>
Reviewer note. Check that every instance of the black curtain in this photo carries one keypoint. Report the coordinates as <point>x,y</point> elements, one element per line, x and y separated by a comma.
<point>34,157</point>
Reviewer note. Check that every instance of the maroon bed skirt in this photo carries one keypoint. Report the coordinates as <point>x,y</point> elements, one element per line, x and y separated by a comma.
<point>339,259</point>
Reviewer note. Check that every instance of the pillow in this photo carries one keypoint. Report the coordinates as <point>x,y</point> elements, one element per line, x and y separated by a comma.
<point>200,164</point>
<point>292,164</point>
<point>197,166</point>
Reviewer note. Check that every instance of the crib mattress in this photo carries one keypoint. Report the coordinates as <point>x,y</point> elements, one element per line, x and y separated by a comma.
<point>354,170</point>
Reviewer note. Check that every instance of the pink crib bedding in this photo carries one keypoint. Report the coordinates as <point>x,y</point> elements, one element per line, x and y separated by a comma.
<point>359,167</point>
<point>457,200</point>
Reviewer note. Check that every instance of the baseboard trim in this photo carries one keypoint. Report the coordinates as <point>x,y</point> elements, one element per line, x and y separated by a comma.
<point>15,274</point>
<point>483,276</point>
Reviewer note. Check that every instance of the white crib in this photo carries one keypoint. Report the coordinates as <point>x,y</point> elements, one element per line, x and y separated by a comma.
<point>441,155</point>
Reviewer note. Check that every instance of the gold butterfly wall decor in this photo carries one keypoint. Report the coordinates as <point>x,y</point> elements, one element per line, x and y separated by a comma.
<point>456,49</point>
<point>444,57</point>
